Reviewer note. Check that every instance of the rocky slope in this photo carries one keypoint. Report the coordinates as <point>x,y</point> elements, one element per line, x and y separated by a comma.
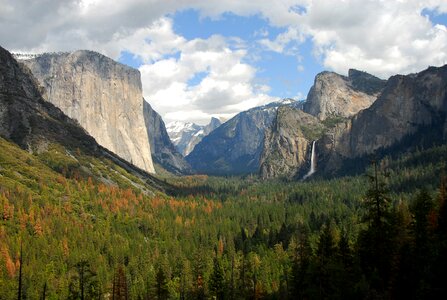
<point>410,112</point>
<point>186,136</point>
<point>44,130</point>
<point>236,146</point>
<point>105,97</point>
<point>288,143</point>
<point>164,152</point>
<point>334,95</point>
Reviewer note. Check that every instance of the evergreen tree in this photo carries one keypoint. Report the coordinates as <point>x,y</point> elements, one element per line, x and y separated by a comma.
<point>375,243</point>
<point>119,290</point>
<point>217,280</point>
<point>301,266</point>
<point>84,284</point>
<point>325,253</point>
<point>162,284</point>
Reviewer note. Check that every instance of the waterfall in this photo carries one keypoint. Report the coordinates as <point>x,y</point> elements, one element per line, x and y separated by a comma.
<point>313,162</point>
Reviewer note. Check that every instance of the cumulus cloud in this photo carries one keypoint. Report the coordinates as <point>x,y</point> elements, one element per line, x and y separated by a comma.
<point>228,85</point>
<point>381,37</point>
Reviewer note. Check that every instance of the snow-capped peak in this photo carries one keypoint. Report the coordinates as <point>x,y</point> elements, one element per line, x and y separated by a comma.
<point>179,126</point>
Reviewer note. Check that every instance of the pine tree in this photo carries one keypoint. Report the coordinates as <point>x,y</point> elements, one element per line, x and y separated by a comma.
<point>301,265</point>
<point>162,284</point>
<point>19,293</point>
<point>376,247</point>
<point>217,280</point>
<point>119,290</point>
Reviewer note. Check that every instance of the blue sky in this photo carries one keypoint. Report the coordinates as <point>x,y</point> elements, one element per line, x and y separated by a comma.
<point>288,75</point>
<point>210,58</point>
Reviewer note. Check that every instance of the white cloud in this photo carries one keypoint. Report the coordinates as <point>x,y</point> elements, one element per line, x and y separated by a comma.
<point>285,42</point>
<point>381,37</point>
<point>228,86</point>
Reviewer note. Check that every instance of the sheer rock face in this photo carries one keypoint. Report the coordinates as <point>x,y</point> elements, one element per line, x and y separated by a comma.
<point>334,95</point>
<point>163,151</point>
<point>411,110</point>
<point>288,143</point>
<point>28,120</point>
<point>236,146</point>
<point>105,97</point>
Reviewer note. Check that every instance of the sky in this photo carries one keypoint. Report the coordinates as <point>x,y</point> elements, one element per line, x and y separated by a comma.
<point>207,58</point>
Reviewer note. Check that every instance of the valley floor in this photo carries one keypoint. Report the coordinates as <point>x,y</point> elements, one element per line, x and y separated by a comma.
<point>68,232</point>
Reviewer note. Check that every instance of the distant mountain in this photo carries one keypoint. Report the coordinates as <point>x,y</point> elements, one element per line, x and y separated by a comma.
<point>185,135</point>
<point>104,96</point>
<point>163,150</point>
<point>236,146</point>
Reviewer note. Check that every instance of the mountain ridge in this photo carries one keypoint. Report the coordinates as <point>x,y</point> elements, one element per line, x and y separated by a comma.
<point>186,135</point>
<point>235,147</point>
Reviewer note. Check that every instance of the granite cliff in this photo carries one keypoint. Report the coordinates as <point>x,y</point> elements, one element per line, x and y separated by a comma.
<point>56,140</point>
<point>406,113</point>
<point>287,144</point>
<point>334,95</point>
<point>163,150</point>
<point>410,112</point>
<point>236,146</point>
<point>104,96</point>
<point>332,100</point>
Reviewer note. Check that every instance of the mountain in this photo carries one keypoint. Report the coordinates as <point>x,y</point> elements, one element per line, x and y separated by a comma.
<point>58,145</point>
<point>333,99</point>
<point>186,136</point>
<point>104,96</point>
<point>163,151</point>
<point>409,113</point>
<point>334,95</point>
<point>236,146</point>
<point>287,143</point>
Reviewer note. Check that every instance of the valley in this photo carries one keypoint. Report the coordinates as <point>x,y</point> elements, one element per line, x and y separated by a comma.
<point>341,196</point>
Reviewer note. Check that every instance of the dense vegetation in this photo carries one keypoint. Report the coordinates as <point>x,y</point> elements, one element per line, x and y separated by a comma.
<point>77,233</point>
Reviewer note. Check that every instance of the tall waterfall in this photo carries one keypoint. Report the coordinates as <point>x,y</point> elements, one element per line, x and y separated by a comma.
<point>313,162</point>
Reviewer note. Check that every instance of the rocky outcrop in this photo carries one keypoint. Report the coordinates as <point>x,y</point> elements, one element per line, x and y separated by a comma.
<point>334,95</point>
<point>186,136</point>
<point>288,143</point>
<point>236,146</point>
<point>410,112</point>
<point>25,118</point>
<point>104,96</point>
<point>34,124</point>
<point>164,152</point>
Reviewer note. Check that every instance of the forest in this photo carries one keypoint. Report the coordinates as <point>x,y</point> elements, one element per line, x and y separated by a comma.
<point>68,234</point>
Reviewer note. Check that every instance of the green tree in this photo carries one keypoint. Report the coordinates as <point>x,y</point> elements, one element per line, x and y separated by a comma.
<point>217,280</point>
<point>119,289</point>
<point>162,284</point>
<point>84,284</point>
<point>376,248</point>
